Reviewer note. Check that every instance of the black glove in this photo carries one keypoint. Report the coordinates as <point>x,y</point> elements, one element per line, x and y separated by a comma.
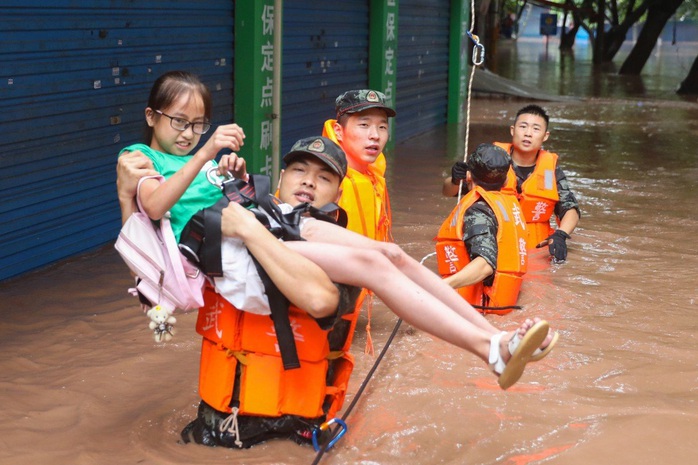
<point>458,171</point>
<point>558,246</point>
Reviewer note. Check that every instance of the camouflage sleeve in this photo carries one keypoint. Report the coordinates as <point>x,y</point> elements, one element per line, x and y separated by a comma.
<point>480,233</point>
<point>567,200</point>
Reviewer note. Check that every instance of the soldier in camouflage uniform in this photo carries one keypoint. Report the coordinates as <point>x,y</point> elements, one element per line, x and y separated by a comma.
<point>529,131</point>
<point>480,224</point>
<point>487,168</point>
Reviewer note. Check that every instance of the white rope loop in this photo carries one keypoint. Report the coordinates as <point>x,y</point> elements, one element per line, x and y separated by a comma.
<point>230,425</point>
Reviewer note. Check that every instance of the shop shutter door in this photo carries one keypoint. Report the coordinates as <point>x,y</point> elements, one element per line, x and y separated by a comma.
<point>422,66</point>
<point>325,53</point>
<point>76,77</point>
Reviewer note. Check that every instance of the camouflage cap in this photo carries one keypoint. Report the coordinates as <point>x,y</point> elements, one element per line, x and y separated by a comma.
<point>322,148</point>
<point>353,101</point>
<point>489,165</point>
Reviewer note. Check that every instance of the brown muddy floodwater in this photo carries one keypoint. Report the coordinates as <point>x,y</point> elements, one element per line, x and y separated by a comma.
<point>82,382</point>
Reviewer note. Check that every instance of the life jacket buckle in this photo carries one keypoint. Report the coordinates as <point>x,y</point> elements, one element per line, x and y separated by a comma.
<point>334,355</point>
<point>215,178</point>
<point>239,355</point>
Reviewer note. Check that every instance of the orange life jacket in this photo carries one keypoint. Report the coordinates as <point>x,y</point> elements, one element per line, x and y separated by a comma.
<point>365,197</point>
<point>538,195</point>
<point>512,259</point>
<point>241,364</point>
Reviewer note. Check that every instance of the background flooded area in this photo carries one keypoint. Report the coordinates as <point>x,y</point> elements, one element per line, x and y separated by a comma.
<point>572,73</point>
<point>82,381</point>
<point>623,386</point>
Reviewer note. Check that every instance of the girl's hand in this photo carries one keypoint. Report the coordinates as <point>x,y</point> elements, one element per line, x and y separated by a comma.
<point>130,168</point>
<point>233,164</point>
<point>228,136</point>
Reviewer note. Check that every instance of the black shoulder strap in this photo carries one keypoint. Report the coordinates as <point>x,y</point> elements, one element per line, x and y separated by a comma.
<point>211,261</point>
<point>247,193</point>
<point>278,303</point>
<point>234,190</point>
<point>290,222</point>
<point>331,212</point>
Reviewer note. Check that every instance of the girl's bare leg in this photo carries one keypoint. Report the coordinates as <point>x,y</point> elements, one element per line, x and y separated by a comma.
<point>418,307</point>
<point>320,231</point>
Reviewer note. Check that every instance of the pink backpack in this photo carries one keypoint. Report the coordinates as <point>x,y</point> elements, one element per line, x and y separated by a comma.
<point>166,277</point>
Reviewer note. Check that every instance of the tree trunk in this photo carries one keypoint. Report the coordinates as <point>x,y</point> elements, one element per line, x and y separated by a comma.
<point>567,38</point>
<point>614,40</point>
<point>690,84</point>
<point>597,54</point>
<point>491,31</point>
<point>616,35</point>
<point>658,14</point>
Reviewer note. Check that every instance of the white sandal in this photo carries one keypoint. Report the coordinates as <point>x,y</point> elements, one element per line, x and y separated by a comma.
<point>540,354</point>
<point>521,350</point>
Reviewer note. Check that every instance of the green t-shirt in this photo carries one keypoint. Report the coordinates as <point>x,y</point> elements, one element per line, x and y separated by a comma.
<point>199,195</point>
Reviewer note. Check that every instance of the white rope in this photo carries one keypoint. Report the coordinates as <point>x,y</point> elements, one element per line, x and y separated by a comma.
<point>467,113</point>
<point>426,256</point>
<point>478,59</point>
<point>470,86</point>
<point>230,425</point>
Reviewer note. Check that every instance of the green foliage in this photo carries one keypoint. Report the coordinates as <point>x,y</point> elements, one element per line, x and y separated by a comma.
<point>688,10</point>
<point>511,6</point>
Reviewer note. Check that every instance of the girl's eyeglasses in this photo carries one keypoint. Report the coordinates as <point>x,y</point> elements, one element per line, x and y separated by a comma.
<point>181,124</point>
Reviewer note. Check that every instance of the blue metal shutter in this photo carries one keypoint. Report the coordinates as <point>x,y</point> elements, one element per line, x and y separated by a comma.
<point>75,81</point>
<point>325,53</point>
<point>422,66</point>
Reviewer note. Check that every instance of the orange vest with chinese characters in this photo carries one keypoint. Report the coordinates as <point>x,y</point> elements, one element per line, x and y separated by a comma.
<point>241,364</point>
<point>512,260</point>
<point>538,195</point>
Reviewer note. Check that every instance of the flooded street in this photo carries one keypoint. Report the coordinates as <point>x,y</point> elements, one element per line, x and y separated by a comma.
<point>82,381</point>
<point>625,386</point>
<point>572,73</point>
